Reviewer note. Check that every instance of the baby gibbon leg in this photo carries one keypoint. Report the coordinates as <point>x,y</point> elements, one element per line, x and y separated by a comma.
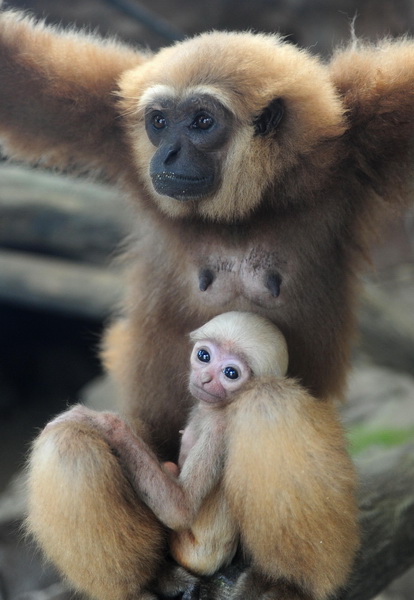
<point>86,517</point>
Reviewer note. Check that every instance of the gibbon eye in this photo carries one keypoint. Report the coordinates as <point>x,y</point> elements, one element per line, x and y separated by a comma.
<point>203,355</point>
<point>159,121</point>
<point>231,373</point>
<point>203,121</point>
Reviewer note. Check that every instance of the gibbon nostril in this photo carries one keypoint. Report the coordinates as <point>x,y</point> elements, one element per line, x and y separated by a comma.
<point>273,283</point>
<point>171,154</point>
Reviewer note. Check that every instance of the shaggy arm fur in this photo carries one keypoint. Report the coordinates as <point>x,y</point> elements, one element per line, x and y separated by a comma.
<point>57,95</point>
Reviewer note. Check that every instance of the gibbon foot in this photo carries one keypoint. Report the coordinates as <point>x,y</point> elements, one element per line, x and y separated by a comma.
<point>255,586</point>
<point>175,581</point>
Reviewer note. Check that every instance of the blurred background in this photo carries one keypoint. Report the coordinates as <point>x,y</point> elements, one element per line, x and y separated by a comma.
<point>58,236</point>
<point>316,24</point>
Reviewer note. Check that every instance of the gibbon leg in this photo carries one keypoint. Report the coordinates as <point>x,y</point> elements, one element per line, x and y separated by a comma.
<point>87,518</point>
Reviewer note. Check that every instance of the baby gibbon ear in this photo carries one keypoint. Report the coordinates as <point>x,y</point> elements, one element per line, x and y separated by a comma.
<point>269,118</point>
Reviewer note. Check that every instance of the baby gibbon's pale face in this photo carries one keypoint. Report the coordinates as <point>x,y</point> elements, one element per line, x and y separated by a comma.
<point>216,373</point>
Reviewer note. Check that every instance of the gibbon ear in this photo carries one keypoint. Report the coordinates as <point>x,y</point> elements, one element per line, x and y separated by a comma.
<point>269,118</point>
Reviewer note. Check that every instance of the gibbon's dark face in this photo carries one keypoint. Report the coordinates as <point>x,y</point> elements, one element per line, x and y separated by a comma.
<point>191,136</point>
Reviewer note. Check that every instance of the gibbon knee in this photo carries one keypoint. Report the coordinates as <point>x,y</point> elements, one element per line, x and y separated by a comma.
<point>86,517</point>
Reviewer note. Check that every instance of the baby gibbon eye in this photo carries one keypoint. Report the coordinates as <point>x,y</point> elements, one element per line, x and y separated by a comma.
<point>203,355</point>
<point>203,121</point>
<point>231,373</point>
<point>158,121</point>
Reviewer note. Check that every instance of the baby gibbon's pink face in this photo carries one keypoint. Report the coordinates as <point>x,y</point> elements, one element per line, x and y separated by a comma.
<point>216,373</point>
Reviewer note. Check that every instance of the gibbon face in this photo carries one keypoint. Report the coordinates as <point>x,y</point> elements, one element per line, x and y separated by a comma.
<point>190,137</point>
<point>216,373</point>
<point>216,121</point>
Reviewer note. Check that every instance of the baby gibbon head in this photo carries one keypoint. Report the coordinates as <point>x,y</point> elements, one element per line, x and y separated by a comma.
<point>257,340</point>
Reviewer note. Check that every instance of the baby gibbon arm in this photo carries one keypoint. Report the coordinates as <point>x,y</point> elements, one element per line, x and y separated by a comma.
<point>57,101</point>
<point>376,83</point>
<point>175,502</point>
<point>290,485</point>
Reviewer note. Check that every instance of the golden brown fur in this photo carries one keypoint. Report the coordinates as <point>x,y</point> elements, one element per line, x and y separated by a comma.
<point>66,76</point>
<point>288,486</point>
<point>304,528</point>
<point>90,523</point>
<point>300,202</point>
<point>321,181</point>
<point>253,164</point>
<point>212,540</point>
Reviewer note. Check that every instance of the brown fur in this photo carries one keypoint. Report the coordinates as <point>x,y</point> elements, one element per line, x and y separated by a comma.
<point>90,522</point>
<point>304,528</point>
<point>212,540</point>
<point>254,163</point>
<point>301,202</point>
<point>60,78</point>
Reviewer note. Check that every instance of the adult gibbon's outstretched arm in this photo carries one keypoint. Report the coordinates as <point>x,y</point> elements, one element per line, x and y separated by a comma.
<point>57,101</point>
<point>376,83</point>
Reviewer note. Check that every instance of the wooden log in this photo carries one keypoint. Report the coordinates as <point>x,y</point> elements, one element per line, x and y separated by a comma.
<point>58,285</point>
<point>42,212</point>
<point>386,501</point>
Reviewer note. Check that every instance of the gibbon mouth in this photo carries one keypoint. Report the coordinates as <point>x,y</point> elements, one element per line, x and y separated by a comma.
<point>201,394</point>
<point>182,187</point>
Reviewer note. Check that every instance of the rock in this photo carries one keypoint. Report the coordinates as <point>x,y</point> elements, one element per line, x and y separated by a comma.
<point>386,325</point>
<point>386,500</point>
<point>379,397</point>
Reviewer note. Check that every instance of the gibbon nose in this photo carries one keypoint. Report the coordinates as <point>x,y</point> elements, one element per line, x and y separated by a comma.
<point>172,154</point>
<point>206,377</point>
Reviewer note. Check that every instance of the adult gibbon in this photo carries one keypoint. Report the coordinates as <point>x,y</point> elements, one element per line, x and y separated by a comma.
<point>257,173</point>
